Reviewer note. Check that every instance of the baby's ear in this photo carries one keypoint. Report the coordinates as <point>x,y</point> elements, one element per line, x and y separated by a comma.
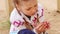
<point>18,7</point>
<point>16,1</point>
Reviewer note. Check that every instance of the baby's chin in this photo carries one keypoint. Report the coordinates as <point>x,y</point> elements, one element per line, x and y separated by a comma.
<point>30,14</point>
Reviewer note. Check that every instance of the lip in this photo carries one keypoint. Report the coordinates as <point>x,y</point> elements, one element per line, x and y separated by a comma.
<point>33,13</point>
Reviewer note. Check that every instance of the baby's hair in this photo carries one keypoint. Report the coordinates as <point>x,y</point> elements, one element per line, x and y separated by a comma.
<point>17,1</point>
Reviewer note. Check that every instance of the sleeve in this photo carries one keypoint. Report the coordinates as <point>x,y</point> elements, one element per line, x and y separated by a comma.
<point>42,18</point>
<point>40,13</point>
<point>15,18</point>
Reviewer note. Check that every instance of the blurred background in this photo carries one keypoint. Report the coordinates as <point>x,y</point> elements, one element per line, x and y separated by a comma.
<point>51,13</point>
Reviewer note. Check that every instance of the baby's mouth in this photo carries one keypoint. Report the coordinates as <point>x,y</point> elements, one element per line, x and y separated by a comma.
<point>34,13</point>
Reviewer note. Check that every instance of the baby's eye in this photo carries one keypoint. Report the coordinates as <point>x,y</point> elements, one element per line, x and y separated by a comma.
<point>29,8</point>
<point>35,5</point>
<point>25,0</point>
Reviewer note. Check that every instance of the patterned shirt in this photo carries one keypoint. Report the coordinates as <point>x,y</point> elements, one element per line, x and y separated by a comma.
<point>17,21</point>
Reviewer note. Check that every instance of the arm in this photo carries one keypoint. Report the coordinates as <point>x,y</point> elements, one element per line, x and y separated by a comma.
<point>43,24</point>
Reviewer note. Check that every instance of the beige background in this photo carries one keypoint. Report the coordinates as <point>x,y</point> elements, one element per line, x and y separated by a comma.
<point>4,17</point>
<point>58,5</point>
<point>51,14</point>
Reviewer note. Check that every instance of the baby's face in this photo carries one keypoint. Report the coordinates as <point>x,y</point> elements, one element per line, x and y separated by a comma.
<point>29,7</point>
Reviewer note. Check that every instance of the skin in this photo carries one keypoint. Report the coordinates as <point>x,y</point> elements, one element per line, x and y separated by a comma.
<point>29,8</point>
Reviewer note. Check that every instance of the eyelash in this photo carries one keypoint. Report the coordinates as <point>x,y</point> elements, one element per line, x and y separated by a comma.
<point>31,7</point>
<point>25,0</point>
<point>35,5</point>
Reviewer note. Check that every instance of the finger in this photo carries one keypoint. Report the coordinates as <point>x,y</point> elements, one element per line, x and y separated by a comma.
<point>42,25</point>
<point>39,25</point>
<point>42,28</point>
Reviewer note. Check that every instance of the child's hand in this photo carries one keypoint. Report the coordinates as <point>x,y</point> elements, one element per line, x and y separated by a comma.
<point>48,24</point>
<point>42,27</point>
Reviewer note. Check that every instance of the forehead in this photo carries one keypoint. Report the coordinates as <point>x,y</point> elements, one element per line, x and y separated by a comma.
<point>28,2</point>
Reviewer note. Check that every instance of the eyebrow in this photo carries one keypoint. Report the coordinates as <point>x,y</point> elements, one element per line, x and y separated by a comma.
<point>35,5</point>
<point>25,0</point>
<point>31,7</point>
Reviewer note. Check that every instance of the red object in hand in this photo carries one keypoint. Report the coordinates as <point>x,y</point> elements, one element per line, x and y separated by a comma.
<point>47,24</point>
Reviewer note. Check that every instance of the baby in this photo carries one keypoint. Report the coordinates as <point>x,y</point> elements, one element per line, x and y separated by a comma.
<point>27,16</point>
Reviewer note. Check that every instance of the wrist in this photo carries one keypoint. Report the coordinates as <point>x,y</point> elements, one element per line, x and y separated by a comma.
<point>36,31</point>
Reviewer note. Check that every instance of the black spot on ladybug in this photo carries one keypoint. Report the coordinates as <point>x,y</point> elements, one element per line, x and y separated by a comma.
<point>58,11</point>
<point>48,12</point>
<point>54,15</point>
<point>45,9</point>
